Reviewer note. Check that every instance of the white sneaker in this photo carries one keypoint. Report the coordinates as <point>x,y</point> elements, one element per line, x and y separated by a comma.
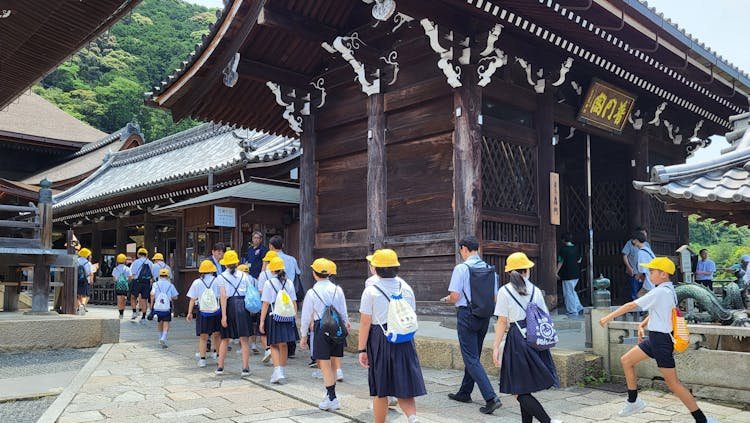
<point>276,376</point>
<point>317,374</point>
<point>254,348</point>
<point>245,373</point>
<point>329,404</point>
<point>339,375</point>
<point>282,371</point>
<point>267,356</point>
<point>219,371</point>
<point>202,362</point>
<point>134,316</point>
<point>711,420</point>
<point>555,421</point>
<point>122,317</point>
<point>412,419</point>
<point>163,343</point>
<point>632,408</point>
<point>143,321</point>
<point>215,356</point>
<point>198,355</point>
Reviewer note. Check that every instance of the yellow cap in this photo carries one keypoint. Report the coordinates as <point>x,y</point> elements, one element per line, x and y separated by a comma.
<point>276,264</point>
<point>122,258</point>
<point>207,266</point>
<point>158,256</point>
<point>518,261</point>
<point>164,272</point>
<point>230,258</point>
<point>269,255</point>
<point>243,268</point>
<point>324,266</point>
<point>660,263</point>
<point>84,252</point>
<point>385,258</point>
<point>142,251</point>
<point>368,258</point>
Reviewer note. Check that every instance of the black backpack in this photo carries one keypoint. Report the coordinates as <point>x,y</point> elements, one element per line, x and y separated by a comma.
<point>331,322</point>
<point>144,273</point>
<point>482,282</point>
<point>82,276</point>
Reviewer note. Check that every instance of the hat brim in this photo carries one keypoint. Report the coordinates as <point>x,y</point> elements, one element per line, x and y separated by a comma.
<point>228,263</point>
<point>650,266</point>
<point>368,258</point>
<point>527,265</point>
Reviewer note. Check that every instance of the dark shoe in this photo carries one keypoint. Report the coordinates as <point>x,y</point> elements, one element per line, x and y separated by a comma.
<point>491,406</point>
<point>459,397</point>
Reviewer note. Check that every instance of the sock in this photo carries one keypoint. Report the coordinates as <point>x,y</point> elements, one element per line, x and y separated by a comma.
<point>533,407</point>
<point>143,315</point>
<point>164,335</point>
<point>526,417</point>
<point>203,358</point>
<point>632,395</point>
<point>134,310</point>
<point>121,312</point>
<point>699,416</point>
<point>331,390</point>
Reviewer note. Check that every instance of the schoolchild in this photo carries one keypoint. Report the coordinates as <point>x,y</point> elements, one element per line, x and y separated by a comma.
<point>279,329</point>
<point>326,351</point>
<point>393,368</point>
<point>85,279</point>
<point>141,270</point>
<point>121,275</point>
<point>254,317</point>
<point>208,322</point>
<point>163,293</point>
<point>264,276</point>
<point>158,264</point>
<point>523,369</point>
<point>659,345</point>
<point>235,320</point>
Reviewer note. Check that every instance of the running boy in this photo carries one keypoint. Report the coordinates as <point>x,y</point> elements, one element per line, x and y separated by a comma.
<point>163,293</point>
<point>659,303</point>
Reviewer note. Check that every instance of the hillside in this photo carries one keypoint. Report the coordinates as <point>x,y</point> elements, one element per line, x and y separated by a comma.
<point>103,84</point>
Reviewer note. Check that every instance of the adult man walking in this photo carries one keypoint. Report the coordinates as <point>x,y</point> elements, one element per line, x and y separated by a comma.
<point>568,262</point>
<point>255,254</point>
<point>473,289</point>
<point>704,270</point>
<point>630,258</point>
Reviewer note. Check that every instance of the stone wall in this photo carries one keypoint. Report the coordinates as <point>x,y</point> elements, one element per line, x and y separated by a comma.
<point>55,332</point>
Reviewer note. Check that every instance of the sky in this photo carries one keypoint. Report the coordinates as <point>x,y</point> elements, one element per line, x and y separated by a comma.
<point>719,24</point>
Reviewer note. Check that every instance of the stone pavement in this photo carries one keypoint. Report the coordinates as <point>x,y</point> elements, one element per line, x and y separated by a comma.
<point>139,382</point>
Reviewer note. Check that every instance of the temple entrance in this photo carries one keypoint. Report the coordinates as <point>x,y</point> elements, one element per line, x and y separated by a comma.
<point>611,177</point>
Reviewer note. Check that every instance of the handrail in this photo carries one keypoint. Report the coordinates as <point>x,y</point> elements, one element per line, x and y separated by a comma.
<point>21,209</point>
<point>694,329</point>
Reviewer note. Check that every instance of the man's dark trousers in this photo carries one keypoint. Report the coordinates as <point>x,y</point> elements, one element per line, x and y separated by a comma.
<point>471,333</point>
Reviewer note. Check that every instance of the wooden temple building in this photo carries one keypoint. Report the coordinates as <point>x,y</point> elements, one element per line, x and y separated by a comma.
<point>421,122</point>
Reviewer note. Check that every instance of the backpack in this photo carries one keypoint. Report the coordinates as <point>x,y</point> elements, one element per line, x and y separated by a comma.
<point>331,323</point>
<point>144,273</point>
<point>680,333</point>
<point>122,283</point>
<point>208,304</point>
<point>82,276</point>
<point>402,320</point>
<point>162,302</point>
<point>283,309</point>
<point>253,303</point>
<point>482,283</point>
<point>540,329</point>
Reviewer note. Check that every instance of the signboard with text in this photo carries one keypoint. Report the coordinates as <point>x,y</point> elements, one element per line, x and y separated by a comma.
<point>225,216</point>
<point>606,106</point>
<point>554,198</point>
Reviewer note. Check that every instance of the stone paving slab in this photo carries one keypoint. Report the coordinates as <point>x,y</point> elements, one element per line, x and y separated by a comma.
<point>139,382</point>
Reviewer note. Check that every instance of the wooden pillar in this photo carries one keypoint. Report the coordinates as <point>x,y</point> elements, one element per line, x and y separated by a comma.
<point>180,282</point>
<point>308,201</point>
<point>40,286</point>
<point>121,236</point>
<point>546,277</point>
<point>467,157</point>
<point>70,286</point>
<point>96,243</point>
<point>640,205</point>
<point>149,233</point>
<point>377,206</point>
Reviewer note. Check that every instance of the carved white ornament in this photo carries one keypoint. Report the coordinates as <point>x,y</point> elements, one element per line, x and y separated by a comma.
<point>295,122</point>
<point>564,69</point>
<point>346,47</point>
<point>399,20</point>
<point>637,123</point>
<point>230,71</point>
<point>5,13</point>
<point>673,132</point>
<point>451,71</point>
<point>492,58</point>
<point>577,88</point>
<point>697,128</point>
<point>540,84</point>
<point>656,121</point>
<point>391,60</point>
<point>319,85</point>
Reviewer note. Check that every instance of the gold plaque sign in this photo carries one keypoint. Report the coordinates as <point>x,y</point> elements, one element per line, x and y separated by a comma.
<point>606,106</point>
<point>554,198</point>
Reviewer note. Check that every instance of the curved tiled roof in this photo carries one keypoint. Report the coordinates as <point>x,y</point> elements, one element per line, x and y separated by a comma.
<point>197,151</point>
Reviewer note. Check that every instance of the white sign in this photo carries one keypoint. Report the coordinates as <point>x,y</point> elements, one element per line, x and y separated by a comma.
<point>225,216</point>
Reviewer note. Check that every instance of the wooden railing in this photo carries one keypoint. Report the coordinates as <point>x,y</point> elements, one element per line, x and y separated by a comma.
<point>14,231</point>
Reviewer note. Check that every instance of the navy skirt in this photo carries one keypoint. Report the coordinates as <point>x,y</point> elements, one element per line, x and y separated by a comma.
<point>525,370</point>
<point>394,368</point>
<point>207,324</point>
<point>83,289</point>
<point>238,319</point>
<point>280,332</point>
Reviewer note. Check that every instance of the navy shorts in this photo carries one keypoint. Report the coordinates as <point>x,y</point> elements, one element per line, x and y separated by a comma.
<point>323,348</point>
<point>142,288</point>
<point>660,347</point>
<point>163,316</point>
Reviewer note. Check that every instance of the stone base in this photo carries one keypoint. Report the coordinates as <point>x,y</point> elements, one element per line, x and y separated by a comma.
<point>29,332</point>
<point>572,366</point>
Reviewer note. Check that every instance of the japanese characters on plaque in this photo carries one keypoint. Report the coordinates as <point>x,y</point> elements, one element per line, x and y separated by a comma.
<point>554,198</point>
<point>606,106</point>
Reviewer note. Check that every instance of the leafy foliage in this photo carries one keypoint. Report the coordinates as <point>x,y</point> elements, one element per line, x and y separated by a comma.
<point>725,243</point>
<point>103,84</point>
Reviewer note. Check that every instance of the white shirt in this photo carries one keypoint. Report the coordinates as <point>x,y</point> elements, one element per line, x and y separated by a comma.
<point>659,302</point>
<point>120,269</point>
<point>262,278</point>
<point>374,278</point>
<point>155,267</point>
<point>506,307</point>
<point>165,286</point>
<point>645,255</point>
<point>82,261</point>
<point>199,285</point>
<point>290,265</point>
<point>273,286</point>
<point>461,278</point>
<point>375,304</point>
<point>135,267</point>
<point>312,307</point>
<point>234,285</point>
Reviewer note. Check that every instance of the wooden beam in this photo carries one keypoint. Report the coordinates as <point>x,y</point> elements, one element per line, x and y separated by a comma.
<point>467,159</point>
<point>377,206</point>
<point>298,25</point>
<point>639,201</point>
<point>308,198</point>
<point>261,72</point>
<point>544,122</point>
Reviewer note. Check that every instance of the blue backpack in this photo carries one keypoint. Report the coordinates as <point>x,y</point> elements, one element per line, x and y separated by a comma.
<point>252,299</point>
<point>540,329</point>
